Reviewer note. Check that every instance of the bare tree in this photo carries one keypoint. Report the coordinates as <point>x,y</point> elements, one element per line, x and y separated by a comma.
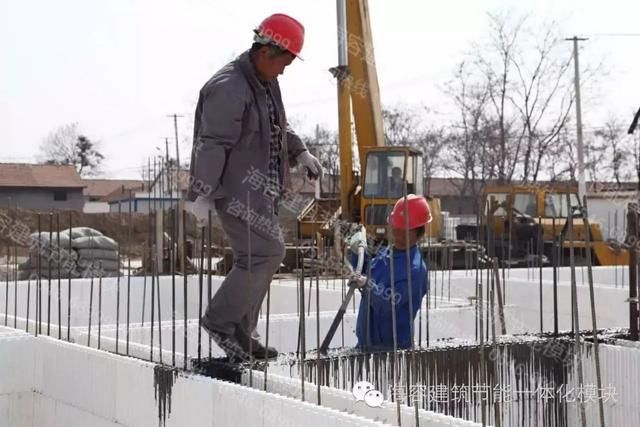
<point>616,145</point>
<point>525,69</point>
<point>67,146</point>
<point>495,62</point>
<point>543,95</point>
<point>468,153</point>
<point>400,126</point>
<point>564,151</point>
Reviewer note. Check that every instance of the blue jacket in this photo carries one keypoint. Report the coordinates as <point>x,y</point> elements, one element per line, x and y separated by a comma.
<point>378,299</point>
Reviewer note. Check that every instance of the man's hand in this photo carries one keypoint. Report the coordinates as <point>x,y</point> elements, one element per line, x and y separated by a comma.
<point>201,207</point>
<point>358,239</point>
<point>313,165</point>
<point>358,280</point>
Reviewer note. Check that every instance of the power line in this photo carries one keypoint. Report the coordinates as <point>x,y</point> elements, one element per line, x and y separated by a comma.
<point>613,34</point>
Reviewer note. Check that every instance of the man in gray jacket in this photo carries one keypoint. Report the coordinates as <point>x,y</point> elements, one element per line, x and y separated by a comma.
<point>240,161</point>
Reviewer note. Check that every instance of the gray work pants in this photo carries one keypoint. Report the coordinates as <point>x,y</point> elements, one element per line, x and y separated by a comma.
<point>235,307</point>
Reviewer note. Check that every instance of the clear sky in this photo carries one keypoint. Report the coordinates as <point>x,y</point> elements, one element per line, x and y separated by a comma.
<point>118,67</point>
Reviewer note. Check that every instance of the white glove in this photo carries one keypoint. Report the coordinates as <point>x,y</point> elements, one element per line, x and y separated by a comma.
<point>358,280</point>
<point>358,239</point>
<point>313,165</point>
<point>201,207</point>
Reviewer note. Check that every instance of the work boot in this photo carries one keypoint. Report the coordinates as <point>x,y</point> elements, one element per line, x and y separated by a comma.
<point>261,352</point>
<point>228,344</point>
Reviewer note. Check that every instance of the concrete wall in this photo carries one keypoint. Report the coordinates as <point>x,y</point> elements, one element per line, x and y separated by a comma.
<point>41,199</point>
<point>346,402</point>
<point>446,320</point>
<point>620,370</point>
<point>52,383</point>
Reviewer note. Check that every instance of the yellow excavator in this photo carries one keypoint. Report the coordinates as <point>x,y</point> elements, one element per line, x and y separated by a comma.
<point>522,222</point>
<point>367,195</point>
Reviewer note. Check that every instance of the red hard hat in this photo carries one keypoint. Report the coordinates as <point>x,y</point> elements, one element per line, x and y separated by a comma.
<point>284,31</point>
<point>417,209</point>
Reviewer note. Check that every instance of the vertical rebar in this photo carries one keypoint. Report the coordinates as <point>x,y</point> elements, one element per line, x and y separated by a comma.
<point>156,272</point>
<point>596,345</point>
<point>49,259</point>
<point>632,232</point>
<point>496,273</point>
<point>39,281</point>
<point>574,304</point>
<point>200,285</point>
<point>185,278</point>
<point>15,287</point>
<point>69,280</point>
<point>554,261</point>
<point>152,259</point>
<point>210,242</point>
<point>59,257</point>
<point>129,253</point>
<point>90,310</point>
<point>266,343</point>
<point>173,255</point>
<point>302,339</point>
<point>100,305</point>
<point>394,366</point>
<point>28,295</point>
<point>409,267</point>
<point>317,274</point>
<point>6,289</point>
<point>251,318</point>
<point>145,249</point>
<point>117,301</point>
<point>540,253</point>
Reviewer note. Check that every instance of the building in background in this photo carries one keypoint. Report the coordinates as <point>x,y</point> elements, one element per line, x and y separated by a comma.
<point>96,191</point>
<point>41,187</point>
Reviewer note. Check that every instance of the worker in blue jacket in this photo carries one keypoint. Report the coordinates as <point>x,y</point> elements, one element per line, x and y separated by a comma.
<point>374,327</point>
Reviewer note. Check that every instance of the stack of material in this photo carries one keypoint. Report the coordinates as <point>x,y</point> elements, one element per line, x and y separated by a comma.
<point>49,256</point>
<point>79,252</point>
<point>97,254</point>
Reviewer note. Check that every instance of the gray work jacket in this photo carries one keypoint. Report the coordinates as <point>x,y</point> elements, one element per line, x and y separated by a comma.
<point>231,137</point>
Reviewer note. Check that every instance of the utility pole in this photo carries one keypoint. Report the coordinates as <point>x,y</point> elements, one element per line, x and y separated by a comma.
<point>582,186</point>
<point>169,173</point>
<point>175,127</point>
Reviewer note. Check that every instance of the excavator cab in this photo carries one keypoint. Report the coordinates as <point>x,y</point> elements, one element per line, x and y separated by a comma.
<point>388,173</point>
